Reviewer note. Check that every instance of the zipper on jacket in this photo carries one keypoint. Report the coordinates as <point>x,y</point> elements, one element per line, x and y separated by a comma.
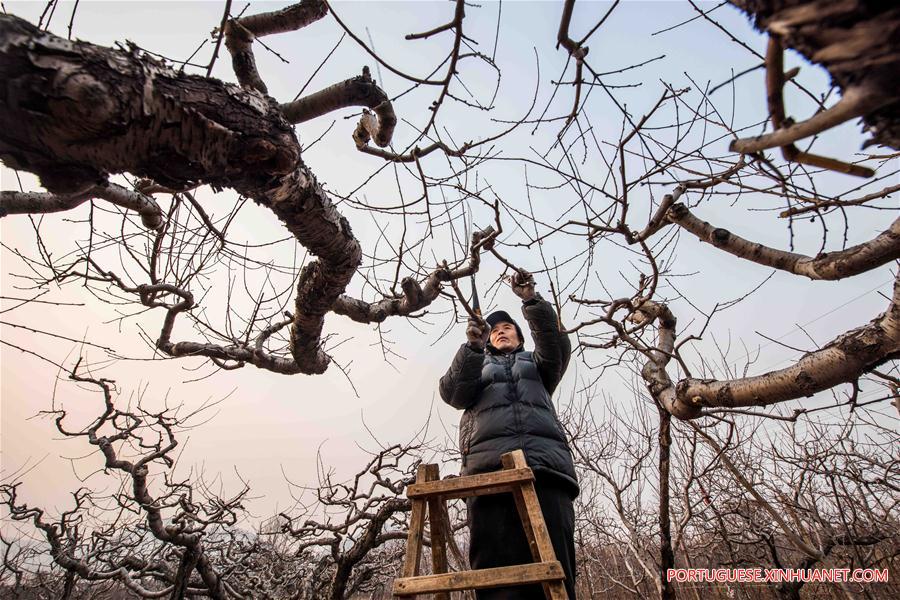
<point>510,361</point>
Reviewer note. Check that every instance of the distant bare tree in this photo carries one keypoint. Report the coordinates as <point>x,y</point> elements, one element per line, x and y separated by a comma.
<point>155,535</point>
<point>162,536</point>
<point>354,532</point>
<point>814,494</point>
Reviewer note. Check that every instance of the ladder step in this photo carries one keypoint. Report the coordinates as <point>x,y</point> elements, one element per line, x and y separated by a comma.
<point>494,482</point>
<point>480,579</point>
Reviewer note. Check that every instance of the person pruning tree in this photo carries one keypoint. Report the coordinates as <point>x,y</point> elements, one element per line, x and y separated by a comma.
<point>506,392</point>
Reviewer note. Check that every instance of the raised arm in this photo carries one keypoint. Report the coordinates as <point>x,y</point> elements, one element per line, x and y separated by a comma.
<point>551,347</point>
<point>461,384</point>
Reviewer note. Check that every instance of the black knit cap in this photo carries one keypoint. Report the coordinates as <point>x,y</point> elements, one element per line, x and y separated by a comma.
<point>501,316</point>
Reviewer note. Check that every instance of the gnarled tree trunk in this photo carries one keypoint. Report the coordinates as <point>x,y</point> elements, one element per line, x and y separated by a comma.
<point>73,113</point>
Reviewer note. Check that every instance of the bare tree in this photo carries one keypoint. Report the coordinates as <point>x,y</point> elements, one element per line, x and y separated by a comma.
<point>355,532</point>
<point>163,536</point>
<point>687,169</point>
<point>810,494</point>
<point>234,137</point>
<point>155,536</point>
<point>239,137</point>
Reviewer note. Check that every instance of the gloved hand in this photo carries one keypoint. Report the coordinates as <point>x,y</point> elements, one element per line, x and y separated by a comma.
<point>477,332</point>
<point>522,284</point>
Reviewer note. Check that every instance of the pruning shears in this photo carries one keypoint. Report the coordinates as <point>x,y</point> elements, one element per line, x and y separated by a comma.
<point>476,305</point>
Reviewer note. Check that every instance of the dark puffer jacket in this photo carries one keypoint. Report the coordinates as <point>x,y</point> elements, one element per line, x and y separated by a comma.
<point>506,398</point>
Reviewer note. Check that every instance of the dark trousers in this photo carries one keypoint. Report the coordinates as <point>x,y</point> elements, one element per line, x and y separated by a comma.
<point>497,538</point>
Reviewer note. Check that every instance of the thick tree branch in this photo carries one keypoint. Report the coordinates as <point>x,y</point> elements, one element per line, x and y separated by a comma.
<point>882,249</point>
<point>659,220</point>
<point>842,360</point>
<point>240,33</point>
<point>856,42</point>
<point>224,137</point>
<point>358,91</point>
<point>855,102</point>
<point>16,203</point>
<point>307,212</point>
<point>64,105</point>
<point>416,295</point>
<point>775,79</point>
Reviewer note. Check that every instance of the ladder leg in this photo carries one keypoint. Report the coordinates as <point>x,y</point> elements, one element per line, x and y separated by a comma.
<point>416,529</point>
<point>524,515</point>
<point>529,509</point>
<point>436,510</point>
<point>461,563</point>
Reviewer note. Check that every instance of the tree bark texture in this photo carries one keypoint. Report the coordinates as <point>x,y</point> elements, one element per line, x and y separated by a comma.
<point>73,113</point>
<point>666,553</point>
<point>842,360</point>
<point>240,33</point>
<point>357,91</point>
<point>12,203</point>
<point>861,258</point>
<point>856,41</point>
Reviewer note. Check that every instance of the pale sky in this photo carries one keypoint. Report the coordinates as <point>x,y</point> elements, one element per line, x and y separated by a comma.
<point>267,425</point>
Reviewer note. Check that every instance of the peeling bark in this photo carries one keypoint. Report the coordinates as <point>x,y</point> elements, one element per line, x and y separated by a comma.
<point>72,113</point>
<point>307,212</point>
<point>415,297</point>
<point>861,258</point>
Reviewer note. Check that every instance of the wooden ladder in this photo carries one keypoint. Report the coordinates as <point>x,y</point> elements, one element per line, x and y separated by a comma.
<point>429,490</point>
